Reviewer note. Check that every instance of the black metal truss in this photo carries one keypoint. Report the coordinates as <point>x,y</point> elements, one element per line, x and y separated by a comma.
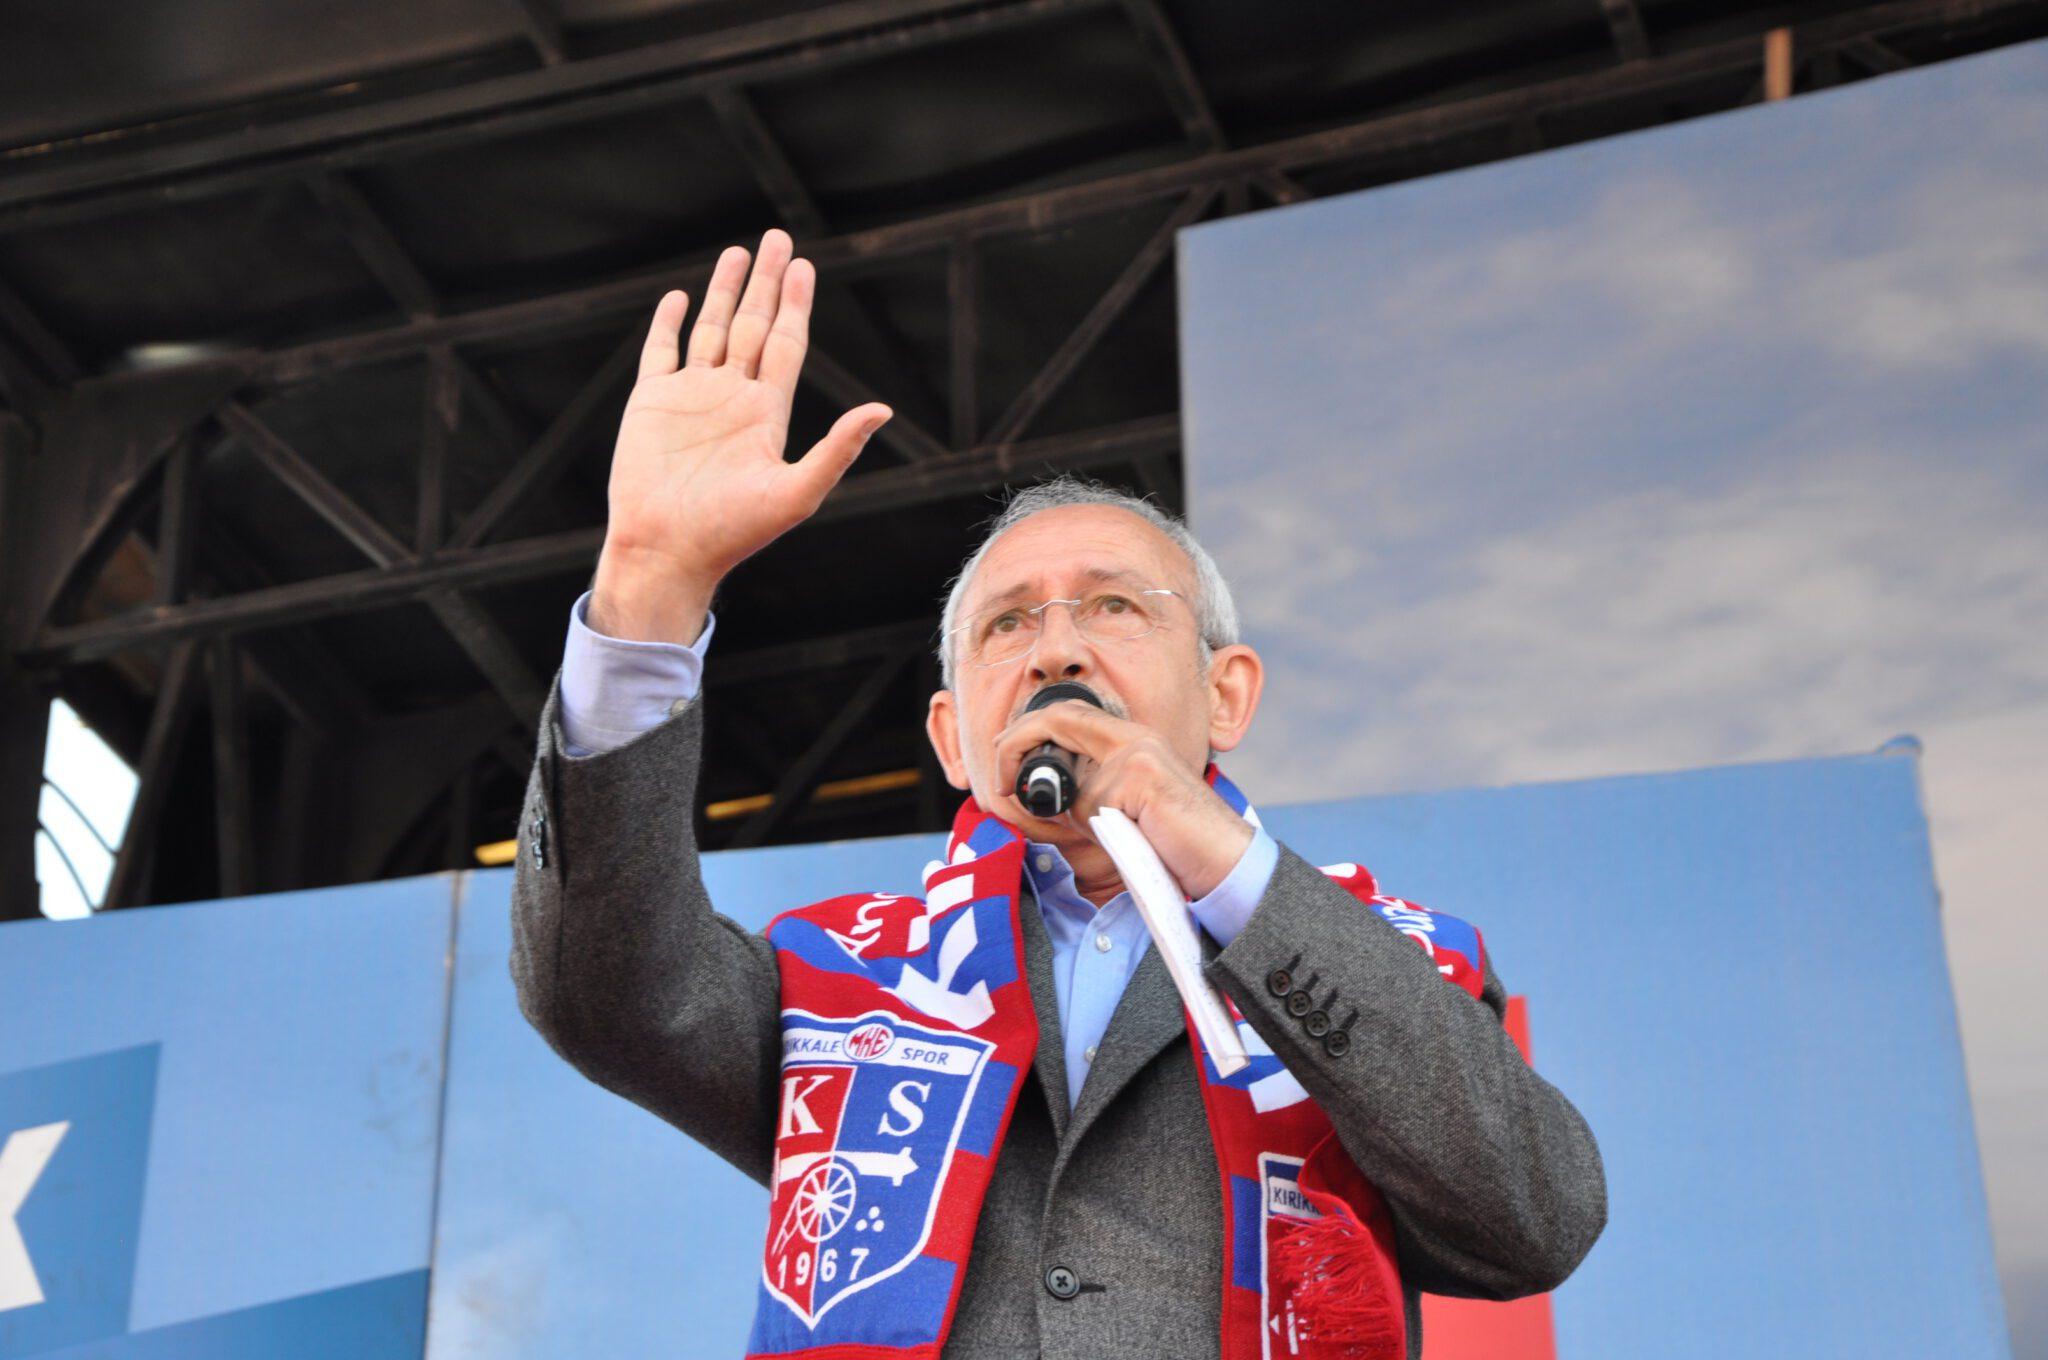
<point>932,468</point>
<point>444,563</point>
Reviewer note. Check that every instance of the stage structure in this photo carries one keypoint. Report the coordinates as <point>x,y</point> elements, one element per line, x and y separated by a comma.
<point>312,339</point>
<point>316,1124</point>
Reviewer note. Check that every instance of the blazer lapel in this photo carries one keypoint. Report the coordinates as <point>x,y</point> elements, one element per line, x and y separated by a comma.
<point>1146,1020</point>
<point>1051,1060</point>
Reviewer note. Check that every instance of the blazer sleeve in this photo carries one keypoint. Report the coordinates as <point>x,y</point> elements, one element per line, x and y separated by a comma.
<point>619,960</point>
<point>1494,1181</point>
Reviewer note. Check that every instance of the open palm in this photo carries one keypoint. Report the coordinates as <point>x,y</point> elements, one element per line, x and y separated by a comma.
<point>698,478</point>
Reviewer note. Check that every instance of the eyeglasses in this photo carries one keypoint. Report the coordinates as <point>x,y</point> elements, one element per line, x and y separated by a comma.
<point>1007,632</point>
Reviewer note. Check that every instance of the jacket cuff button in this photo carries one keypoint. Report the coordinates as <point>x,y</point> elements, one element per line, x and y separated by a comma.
<point>1279,982</point>
<point>1300,1003</point>
<point>1317,1023</point>
<point>1337,1043</point>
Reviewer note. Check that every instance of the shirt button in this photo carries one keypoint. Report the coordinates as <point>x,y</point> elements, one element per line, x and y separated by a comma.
<point>1103,944</point>
<point>1044,863</point>
<point>677,707</point>
<point>1088,1055</point>
<point>1062,1283</point>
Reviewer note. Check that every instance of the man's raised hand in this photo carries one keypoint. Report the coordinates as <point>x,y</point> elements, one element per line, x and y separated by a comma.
<point>698,480</point>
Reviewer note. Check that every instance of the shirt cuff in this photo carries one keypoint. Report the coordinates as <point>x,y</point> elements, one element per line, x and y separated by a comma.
<point>1229,905</point>
<point>614,689</point>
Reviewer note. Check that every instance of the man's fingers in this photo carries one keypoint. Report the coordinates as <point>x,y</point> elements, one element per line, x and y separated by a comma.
<point>756,314</point>
<point>782,357</point>
<point>662,352</point>
<point>714,318</point>
<point>1070,724</point>
<point>820,470</point>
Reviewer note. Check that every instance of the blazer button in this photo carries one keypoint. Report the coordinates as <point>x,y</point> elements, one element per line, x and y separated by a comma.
<point>1279,982</point>
<point>1300,1003</point>
<point>1062,1283</point>
<point>1337,1043</point>
<point>1317,1023</point>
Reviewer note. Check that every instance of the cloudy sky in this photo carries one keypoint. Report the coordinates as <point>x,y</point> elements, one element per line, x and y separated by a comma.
<point>1722,442</point>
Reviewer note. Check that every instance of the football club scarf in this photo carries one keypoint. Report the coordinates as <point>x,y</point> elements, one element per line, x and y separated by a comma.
<point>908,1032</point>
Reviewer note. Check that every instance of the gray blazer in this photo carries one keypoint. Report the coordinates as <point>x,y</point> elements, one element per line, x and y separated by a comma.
<point>1494,1181</point>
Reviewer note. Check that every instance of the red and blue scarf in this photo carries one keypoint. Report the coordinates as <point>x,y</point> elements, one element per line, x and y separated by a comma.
<point>907,1033</point>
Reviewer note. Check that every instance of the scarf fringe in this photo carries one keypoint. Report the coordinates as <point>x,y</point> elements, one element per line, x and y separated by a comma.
<point>1338,1285</point>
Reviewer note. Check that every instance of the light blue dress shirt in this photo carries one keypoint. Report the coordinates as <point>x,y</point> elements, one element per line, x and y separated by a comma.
<point>614,689</point>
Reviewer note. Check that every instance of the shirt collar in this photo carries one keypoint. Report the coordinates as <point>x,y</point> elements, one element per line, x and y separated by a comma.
<point>1059,897</point>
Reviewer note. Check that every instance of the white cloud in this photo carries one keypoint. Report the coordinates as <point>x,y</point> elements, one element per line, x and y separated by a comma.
<point>1821,613</point>
<point>1964,281</point>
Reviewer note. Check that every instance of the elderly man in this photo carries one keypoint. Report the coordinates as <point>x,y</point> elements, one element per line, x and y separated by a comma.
<point>985,1123</point>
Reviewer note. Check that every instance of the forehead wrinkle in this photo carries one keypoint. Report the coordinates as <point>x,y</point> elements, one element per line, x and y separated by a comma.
<point>1092,575</point>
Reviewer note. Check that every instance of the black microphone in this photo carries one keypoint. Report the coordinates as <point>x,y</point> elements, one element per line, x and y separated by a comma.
<point>1045,781</point>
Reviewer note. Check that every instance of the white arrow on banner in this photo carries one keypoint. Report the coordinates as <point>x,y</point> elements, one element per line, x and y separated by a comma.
<point>22,1161</point>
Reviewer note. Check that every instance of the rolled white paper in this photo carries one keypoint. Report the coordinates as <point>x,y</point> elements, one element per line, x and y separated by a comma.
<point>1164,909</point>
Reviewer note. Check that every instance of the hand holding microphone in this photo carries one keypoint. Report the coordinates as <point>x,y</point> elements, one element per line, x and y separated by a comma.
<point>1046,787</point>
<point>1045,781</point>
<point>1045,750</point>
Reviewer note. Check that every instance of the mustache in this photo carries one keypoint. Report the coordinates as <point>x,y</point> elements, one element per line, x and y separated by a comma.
<point>1110,703</point>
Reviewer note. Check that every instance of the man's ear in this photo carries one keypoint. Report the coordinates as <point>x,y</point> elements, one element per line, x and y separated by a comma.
<point>1236,678</point>
<point>942,725</point>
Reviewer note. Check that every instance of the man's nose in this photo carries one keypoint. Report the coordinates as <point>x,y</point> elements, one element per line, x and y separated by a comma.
<point>1062,652</point>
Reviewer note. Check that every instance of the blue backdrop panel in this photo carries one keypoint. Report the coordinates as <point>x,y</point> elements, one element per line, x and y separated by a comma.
<point>251,1093</point>
<point>1737,974</point>
<point>571,1221</point>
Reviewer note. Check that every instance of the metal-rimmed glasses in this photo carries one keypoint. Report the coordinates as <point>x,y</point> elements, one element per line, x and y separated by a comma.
<point>1005,633</point>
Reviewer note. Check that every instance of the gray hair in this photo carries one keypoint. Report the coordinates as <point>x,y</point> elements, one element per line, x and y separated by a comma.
<point>1215,611</point>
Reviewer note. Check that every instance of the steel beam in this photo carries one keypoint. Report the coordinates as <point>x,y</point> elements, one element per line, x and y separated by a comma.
<point>1625,22</point>
<point>168,722</point>
<point>1386,135</point>
<point>233,828</point>
<point>1177,79</point>
<point>174,522</point>
<point>1874,56</point>
<point>24,699</point>
<point>439,405</point>
<point>380,251</point>
<point>299,669</point>
<point>312,487</point>
<point>24,729</point>
<point>910,439</point>
<point>799,211</point>
<point>576,550</point>
<point>543,29</point>
<point>1108,309</point>
<point>963,306</point>
<point>543,463</point>
<point>741,122</point>
<point>826,38</point>
<point>52,356</point>
<point>822,652</point>
<point>809,768</point>
<point>466,621</point>
<point>1281,187</point>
